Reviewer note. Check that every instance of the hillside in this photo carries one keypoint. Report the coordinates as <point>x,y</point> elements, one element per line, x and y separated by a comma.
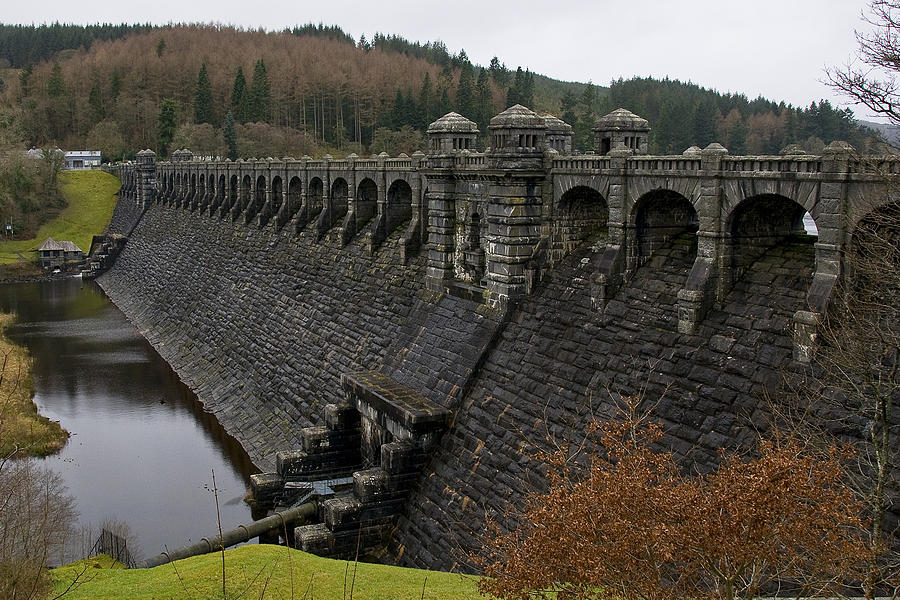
<point>89,202</point>
<point>314,89</point>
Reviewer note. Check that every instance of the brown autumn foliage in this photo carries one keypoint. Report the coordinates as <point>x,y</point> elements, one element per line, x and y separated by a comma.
<point>626,523</point>
<point>318,85</point>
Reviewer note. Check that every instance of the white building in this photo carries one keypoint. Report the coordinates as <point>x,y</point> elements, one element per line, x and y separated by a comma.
<point>77,160</point>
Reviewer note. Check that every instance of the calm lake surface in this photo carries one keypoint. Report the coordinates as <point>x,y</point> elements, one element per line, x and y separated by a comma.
<point>141,449</point>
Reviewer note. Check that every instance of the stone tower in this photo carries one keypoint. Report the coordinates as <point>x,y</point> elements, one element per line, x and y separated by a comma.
<point>146,184</point>
<point>623,128</point>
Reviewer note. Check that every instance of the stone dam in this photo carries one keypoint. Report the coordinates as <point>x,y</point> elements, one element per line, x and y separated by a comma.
<point>415,328</point>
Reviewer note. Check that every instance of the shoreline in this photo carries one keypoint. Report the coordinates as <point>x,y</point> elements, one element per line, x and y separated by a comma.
<point>24,431</point>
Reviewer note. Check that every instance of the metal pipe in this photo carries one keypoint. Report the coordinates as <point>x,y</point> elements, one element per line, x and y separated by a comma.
<point>240,534</point>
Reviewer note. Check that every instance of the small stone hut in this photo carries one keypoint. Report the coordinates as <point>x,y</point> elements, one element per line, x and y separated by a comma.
<point>53,254</point>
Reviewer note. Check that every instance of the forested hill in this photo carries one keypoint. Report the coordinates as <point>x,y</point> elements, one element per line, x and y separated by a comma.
<point>314,89</point>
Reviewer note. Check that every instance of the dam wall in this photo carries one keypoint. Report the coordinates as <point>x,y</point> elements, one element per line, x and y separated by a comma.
<point>262,323</point>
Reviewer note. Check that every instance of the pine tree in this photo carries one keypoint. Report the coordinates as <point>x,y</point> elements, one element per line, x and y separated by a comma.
<point>56,86</point>
<point>426,102</point>
<point>115,85</point>
<point>484,100</point>
<point>465,93</point>
<point>704,123</point>
<point>203,110</point>
<point>444,105</point>
<point>168,120</point>
<point>25,80</point>
<point>514,95</point>
<point>239,104</point>
<point>160,47</point>
<point>230,134</point>
<point>398,112</point>
<point>527,90</point>
<point>95,102</point>
<point>260,94</point>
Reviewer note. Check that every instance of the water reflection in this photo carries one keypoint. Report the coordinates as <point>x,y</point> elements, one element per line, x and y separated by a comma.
<point>142,447</point>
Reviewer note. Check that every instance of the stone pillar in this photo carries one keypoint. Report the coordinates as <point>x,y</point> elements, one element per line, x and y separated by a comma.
<point>441,220</point>
<point>830,214</point>
<point>514,228</point>
<point>146,180</point>
<point>611,271</point>
<point>699,291</point>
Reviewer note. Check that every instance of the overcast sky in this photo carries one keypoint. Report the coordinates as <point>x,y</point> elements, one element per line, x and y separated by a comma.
<point>774,48</point>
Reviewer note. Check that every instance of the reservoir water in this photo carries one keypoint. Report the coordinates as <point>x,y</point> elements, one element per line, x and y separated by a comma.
<point>141,449</point>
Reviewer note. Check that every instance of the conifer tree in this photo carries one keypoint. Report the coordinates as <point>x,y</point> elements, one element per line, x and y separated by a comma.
<point>426,102</point>
<point>115,85</point>
<point>485,100</point>
<point>160,47</point>
<point>260,94</point>
<point>239,104</point>
<point>465,92</point>
<point>203,110</point>
<point>168,120</point>
<point>56,87</point>
<point>25,80</point>
<point>514,94</point>
<point>95,101</point>
<point>444,105</point>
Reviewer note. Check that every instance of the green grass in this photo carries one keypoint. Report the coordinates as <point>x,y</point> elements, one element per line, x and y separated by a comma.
<point>260,571</point>
<point>91,198</point>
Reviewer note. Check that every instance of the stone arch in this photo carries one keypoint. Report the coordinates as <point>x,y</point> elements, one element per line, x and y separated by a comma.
<point>366,201</point>
<point>658,217</point>
<point>315,196</point>
<point>756,225</point>
<point>259,195</point>
<point>872,258</point>
<point>277,194</point>
<point>399,204</point>
<point>192,192</point>
<point>294,195</point>
<point>339,198</point>
<point>246,184</point>
<point>220,190</point>
<point>581,213</point>
<point>233,191</point>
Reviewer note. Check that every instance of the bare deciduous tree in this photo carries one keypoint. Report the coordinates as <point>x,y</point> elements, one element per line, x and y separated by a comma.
<point>871,78</point>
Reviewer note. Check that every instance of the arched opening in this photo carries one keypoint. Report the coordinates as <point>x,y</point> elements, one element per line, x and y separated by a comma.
<point>760,223</point>
<point>193,191</point>
<point>872,263</point>
<point>293,198</point>
<point>399,204</point>
<point>245,192</point>
<point>220,190</point>
<point>662,217</point>
<point>315,196</point>
<point>339,196</point>
<point>366,201</point>
<point>259,198</point>
<point>581,214</point>
<point>233,191</point>
<point>276,194</point>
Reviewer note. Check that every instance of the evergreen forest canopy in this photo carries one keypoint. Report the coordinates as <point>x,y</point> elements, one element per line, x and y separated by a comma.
<point>314,89</point>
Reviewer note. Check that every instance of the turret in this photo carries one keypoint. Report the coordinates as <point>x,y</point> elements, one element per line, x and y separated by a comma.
<point>621,127</point>
<point>518,138</point>
<point>559,134</point>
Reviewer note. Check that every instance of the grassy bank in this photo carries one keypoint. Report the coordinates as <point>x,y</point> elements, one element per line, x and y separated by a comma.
<point>262,571</point>
<point>91,198</point>
<point>21,427</point>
